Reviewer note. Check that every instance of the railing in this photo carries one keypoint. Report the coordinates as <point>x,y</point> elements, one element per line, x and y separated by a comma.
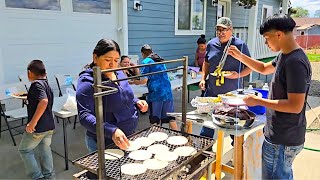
<point>261,49</point>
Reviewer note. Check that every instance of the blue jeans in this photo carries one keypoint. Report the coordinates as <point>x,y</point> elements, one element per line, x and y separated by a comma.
<point>91,143</point>
<point>277,160</point>
<point>28,144</point>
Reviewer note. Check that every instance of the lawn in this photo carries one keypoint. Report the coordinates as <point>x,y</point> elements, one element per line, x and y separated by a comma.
<point>314,57</point>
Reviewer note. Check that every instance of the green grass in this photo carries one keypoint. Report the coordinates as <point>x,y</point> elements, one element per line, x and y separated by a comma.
<point>314,57</point>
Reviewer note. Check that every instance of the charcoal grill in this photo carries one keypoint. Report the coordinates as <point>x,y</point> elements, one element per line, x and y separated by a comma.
<point>90,162</point>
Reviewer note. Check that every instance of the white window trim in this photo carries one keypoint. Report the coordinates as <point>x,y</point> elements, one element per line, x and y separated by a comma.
<point>190,32</point>
<point>228,12</point>
<point>268,7</point>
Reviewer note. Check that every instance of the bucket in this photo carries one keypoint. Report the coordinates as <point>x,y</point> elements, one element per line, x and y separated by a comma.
<point>259,109</point>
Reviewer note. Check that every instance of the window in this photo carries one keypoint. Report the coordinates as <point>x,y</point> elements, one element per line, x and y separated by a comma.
<point>92,6</point>
<point>190,17</point>
<point>266,12</point>
<point>34,4</point>
<point>224,9</point>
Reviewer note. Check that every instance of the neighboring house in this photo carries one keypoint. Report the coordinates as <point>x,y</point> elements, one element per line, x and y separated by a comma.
<point>307,32</point>
<point>305,23</point>
<point>63,33</point>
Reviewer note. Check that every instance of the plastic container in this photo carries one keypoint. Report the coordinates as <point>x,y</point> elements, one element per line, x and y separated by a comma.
<point>260,109</point>
<point>265,87</point>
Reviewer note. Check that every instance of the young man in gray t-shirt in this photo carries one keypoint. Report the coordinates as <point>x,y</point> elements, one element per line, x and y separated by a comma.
<point>286,122</point>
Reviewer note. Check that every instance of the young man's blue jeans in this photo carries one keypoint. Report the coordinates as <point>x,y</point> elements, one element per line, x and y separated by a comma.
<point>29,143</point>
<point>277,160</point>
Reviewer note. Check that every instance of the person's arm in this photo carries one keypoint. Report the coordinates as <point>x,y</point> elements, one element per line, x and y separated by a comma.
<point>143,80</point>
<point>196,60</point>
<point>144,70</point>
<point>42,105</point>
<point>297,87</point>
<point>258,66</point>
<point>86,111</point>
<point>293,104</point>
<point>205,70</point>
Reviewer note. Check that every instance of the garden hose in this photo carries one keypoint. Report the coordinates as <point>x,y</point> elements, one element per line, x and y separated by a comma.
<point>312,149</point>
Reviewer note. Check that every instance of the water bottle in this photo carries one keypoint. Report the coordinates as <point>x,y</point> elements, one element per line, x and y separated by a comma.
<point>250,87</point>
<point>265,86</point>
<point>8,92</point>
<point>68,81</point>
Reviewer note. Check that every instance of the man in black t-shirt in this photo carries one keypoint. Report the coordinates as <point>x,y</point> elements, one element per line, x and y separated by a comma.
<point>286,122</point>
<point>40,125</point>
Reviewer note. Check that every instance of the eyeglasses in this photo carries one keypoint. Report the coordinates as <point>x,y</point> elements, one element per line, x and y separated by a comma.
<point>224,30</point>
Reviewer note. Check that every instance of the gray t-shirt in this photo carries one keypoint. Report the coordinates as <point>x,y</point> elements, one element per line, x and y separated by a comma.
<point>292,75</point>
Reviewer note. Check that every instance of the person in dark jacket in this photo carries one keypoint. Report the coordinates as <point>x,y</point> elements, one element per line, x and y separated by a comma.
<point>119,109</point>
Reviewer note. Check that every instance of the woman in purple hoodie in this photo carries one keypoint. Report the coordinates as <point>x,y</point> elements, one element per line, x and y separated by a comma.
<point>119,109</point>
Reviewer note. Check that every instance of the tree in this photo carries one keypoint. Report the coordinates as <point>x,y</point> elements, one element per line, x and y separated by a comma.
<point>300,12</point>
<point>317,13</point>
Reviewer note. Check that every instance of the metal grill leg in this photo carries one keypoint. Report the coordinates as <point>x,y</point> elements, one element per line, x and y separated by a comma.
<point>13,140</point>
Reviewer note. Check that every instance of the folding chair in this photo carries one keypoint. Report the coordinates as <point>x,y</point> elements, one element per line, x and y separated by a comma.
<point>11,115</point>
<point>24,79</point>
<point>66,80</point>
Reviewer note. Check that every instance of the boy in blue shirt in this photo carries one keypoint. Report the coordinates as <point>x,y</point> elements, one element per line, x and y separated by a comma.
<point>159,97</point>
<point>40,125</point>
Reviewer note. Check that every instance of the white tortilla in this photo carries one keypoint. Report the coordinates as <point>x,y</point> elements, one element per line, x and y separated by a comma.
<point>177,140</point>
<point>185,151</point>
<point>166,156</point>
<point>140,155</point>
<point>158,136</point>
<point>110,153</point>
<point>133,169</point>
<point>133,146</point>
<point>155,164</point>
<point>144,141</point>
<point>156,148</point>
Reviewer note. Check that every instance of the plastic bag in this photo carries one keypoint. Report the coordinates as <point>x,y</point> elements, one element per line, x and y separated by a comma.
<point>71,103</point>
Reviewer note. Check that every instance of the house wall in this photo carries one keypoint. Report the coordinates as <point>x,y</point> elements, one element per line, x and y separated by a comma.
<point>315,30</point>
<point>239,15</point>
<point>274,3</point>
<point>64,39</point>
<point>155,25</point>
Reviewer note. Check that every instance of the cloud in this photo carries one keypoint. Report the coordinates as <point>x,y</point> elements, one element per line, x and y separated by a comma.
<point>311,5</point>
<point>92,6</point>
<point>34,4</point>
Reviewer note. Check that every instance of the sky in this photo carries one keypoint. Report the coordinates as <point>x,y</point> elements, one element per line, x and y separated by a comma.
<point>311,5</point>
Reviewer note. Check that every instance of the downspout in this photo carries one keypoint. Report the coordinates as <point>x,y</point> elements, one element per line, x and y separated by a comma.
<point>252,30</point>
<point>285,6</point>
<point>125,27</point>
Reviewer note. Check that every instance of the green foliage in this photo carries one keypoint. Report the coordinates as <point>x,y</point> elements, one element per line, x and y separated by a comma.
<point>300,12</point>
<point>314,57</point>
<point>247,4</point>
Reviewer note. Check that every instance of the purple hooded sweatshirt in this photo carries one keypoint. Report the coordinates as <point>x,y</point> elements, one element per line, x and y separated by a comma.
<point>119,110</point>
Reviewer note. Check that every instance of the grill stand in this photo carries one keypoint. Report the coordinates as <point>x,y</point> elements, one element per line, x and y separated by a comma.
<point>99,106</point>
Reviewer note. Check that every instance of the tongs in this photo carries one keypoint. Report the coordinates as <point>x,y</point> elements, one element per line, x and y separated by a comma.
<point>218,71</point>
<point>192,116</point>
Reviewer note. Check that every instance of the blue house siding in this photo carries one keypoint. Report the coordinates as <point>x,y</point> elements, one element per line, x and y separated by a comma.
<point>314,30</point>
<point>155,25</point>
<point>211,21</point>
<point>274,3</point>
<point>239,15</point>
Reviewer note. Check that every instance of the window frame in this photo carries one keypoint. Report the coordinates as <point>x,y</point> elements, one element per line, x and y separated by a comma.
<point>268,7</point>
<point>190,32</point>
